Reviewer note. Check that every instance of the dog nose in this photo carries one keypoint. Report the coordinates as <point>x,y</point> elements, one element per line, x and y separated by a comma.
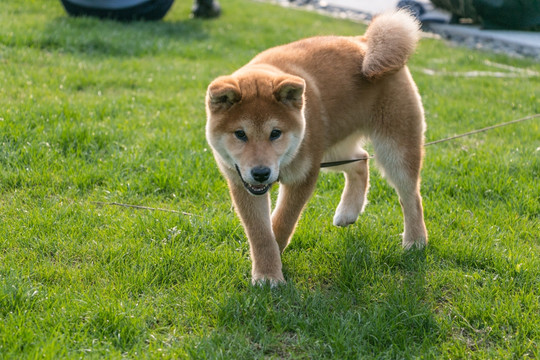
<point>261,173</point>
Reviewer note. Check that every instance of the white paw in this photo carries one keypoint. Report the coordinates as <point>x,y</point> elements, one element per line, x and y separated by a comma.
<point>348,211</point>
<point>345,218</point>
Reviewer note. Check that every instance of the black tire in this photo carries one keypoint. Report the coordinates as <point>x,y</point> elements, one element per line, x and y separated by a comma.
<point>147,10</point>
<point>415,8</point>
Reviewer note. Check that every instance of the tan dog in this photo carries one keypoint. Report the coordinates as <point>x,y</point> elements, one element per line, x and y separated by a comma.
<point>297,105</point>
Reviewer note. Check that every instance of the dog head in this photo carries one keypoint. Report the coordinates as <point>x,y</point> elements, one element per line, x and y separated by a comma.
<point>255,124</point>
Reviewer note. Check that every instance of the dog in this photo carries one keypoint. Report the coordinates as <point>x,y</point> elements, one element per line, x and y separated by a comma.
<point>315,100</point>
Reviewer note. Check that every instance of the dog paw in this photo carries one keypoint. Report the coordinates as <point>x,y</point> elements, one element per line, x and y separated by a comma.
<point>345,219</point>
<point>348,211</point>
<point>264,280</point>
<point>418,243</point>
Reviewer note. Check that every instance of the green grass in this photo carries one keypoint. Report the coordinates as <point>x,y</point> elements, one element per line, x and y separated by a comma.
<point>97,111</point>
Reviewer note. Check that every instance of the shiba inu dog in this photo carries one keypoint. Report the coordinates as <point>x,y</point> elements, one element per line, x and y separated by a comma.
<point>318,99</point>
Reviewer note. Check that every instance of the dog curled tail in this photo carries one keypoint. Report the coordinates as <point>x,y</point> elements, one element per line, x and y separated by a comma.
<point>391,38</point>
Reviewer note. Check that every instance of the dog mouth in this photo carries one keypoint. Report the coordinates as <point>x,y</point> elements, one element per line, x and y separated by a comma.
<point>259,189</point>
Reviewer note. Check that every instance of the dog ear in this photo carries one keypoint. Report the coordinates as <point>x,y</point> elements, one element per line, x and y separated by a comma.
<point>222,93</point>
<point>290,91</point>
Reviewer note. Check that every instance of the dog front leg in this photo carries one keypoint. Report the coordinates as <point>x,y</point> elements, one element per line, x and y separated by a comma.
<point>254,212</point>
<point>291,201</point>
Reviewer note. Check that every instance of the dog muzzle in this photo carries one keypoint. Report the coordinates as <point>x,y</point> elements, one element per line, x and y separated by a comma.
<point>259,189</point>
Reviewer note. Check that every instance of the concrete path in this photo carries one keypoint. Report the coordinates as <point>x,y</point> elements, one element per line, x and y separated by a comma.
<point>369,6</point>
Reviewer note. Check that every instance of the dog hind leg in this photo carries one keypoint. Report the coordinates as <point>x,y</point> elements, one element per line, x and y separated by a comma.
<point>401,167</point>
<point>354,196</point>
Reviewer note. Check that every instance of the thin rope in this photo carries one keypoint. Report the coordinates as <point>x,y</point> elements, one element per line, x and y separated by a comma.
<point>482,130</point>
<point>141,207</point>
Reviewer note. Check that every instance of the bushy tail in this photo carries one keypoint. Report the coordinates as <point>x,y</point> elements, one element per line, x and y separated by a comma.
<point>391,39</point>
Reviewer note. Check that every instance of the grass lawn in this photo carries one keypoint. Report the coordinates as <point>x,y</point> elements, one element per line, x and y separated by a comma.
<point>97,111</point>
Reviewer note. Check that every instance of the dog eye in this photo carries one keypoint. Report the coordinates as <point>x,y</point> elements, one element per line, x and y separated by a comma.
<point>275,134</point>
<point>240,135</point>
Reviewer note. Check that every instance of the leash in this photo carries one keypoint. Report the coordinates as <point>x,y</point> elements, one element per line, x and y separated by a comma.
<point>102,203</point>
<point>336,163</point>
<point>482,130</point>
<point>343,162</point>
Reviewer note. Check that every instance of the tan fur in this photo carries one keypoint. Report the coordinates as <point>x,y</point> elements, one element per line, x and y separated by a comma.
<point>294,106</point>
